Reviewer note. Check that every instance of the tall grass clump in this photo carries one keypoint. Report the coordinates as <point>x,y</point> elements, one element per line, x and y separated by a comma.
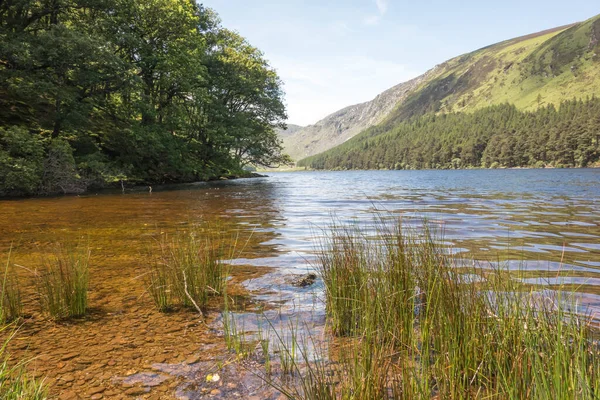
<point>188,270</point>
<point>417,324</point>
<point>62,282</point>
<point>10,294</point>
<point>15,382</point>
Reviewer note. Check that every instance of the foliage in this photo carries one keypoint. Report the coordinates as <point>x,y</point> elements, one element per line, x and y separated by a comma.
<point>62,283</point>
<point>21,159</point>
<point>106,90</point>
<point>420,324</point>
<point>15,382</point>
<point>497,136</point>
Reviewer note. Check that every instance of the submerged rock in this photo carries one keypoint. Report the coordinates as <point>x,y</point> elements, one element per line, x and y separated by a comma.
<point>304,280</point>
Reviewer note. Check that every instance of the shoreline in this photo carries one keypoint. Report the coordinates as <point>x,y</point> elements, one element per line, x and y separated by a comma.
<point>137,188</point>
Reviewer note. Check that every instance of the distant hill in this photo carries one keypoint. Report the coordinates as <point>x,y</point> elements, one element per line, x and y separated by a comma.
<point>291,130</point>
<point>529,72</point>
<point>340,126</point>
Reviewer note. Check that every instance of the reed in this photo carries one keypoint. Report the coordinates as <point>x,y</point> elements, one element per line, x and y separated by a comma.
<point>158,285</point>
<point>15,382</point>
<point>238,341</point>
<point>417,326</point>
<point>62,283</point>
<point>188,269</point>
<point>10,294</point>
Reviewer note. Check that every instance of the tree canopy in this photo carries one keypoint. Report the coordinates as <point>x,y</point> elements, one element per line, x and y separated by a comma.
<point>493,137</point>
<point>97,91</point>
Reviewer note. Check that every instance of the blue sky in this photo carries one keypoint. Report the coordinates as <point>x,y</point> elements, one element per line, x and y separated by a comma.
<point>335,53</point>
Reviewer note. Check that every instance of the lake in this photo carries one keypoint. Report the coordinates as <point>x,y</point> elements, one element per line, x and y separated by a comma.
<point>544,222</point>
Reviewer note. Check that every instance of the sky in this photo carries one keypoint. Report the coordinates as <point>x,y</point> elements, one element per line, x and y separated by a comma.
<point>334,53</point>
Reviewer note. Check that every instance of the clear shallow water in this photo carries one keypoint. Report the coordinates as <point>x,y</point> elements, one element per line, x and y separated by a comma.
<point>545,221</point>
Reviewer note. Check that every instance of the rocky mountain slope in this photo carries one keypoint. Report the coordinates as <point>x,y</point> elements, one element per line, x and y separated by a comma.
<point>340,126</point>
<point>291,130</point>
<point>431,127</point>
<point>530,71</point>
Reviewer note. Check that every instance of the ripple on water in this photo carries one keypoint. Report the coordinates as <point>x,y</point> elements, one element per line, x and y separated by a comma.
<point>492,214</point>
<point>588,246</point>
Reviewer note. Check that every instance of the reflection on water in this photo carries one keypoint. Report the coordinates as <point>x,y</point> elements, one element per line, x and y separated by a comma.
<point>548,218</point>
<point>545,223</point>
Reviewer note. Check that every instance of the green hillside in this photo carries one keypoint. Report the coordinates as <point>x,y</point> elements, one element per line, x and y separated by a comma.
<point>531,72</point>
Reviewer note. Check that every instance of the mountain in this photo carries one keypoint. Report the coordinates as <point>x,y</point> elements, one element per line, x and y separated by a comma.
<point>291,130</point>
<point>340,126</point>
<point>529,72</point>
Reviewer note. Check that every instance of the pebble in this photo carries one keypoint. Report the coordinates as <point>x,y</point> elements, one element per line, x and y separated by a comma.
<point>69,356</point>
<point>136,391</point>
<point>96,390</point>
<point>192,360</point>
<point>69,395</point>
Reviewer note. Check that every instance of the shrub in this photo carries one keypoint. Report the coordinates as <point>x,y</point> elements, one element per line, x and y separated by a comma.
<point>21,158</point>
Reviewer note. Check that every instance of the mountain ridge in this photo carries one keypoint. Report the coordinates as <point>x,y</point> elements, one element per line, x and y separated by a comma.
<point>550,75</point>
<point>525,71</point>
<point>343,124</point>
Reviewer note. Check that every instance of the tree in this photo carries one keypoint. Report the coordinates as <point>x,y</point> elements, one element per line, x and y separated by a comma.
<point>139,90</point>
<point>247,102</point>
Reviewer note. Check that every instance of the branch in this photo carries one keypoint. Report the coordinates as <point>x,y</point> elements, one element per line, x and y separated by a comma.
<point>185,289</point>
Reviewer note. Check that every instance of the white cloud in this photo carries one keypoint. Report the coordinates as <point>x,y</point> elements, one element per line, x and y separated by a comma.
<point>372,20</point>
<point>382,6</point>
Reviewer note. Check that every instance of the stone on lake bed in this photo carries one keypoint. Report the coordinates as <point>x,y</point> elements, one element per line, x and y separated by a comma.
<point>96,390</point>
<point>146,379</point>
<point>304,280</point>
<point>69,356</point>
<point>192,360</point>
<point>136,391</point>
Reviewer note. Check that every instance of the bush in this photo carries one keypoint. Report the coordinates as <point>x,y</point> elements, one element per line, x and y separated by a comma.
<point>60,172</point>
<point>21,159</point>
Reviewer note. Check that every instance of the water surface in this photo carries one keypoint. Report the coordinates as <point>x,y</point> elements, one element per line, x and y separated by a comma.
<point>544,223</point>
<point>540,220</point>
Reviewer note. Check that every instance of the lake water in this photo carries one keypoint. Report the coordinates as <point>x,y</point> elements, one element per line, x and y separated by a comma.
<point>541,220</point>
<point>549,219</point>
<point>545,222</point>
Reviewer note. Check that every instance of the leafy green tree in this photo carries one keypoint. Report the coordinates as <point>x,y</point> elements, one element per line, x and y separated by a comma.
<point>247,102</point>
<point>498,136</point>
<point>131,90</point>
